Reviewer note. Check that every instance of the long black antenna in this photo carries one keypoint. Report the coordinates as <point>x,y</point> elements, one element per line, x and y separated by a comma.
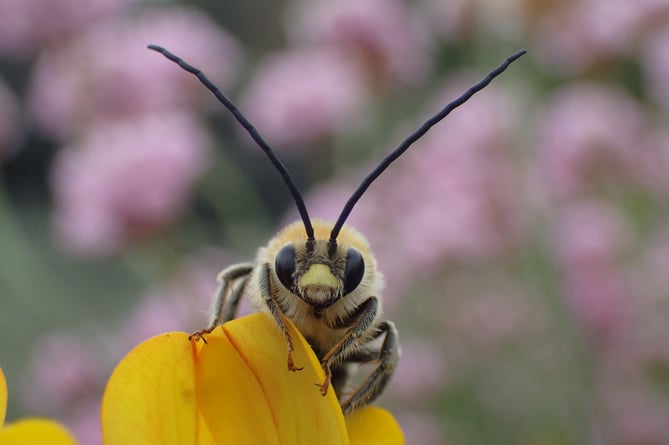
<point>251,130</point>
<point>413,138</point>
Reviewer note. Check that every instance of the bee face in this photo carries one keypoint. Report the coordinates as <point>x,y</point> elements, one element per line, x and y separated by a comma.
<point>318,272</point>
<point>317,276</point>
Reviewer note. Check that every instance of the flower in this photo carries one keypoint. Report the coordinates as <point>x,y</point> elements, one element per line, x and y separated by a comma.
<point>387,35</point>
<point>107,74</point>
<point>126,179</point>
<point>236,388</point>
<point>29,431</point>
<point>575,154</point>
<point>26,25</point>
<point>302,96</point>
<point>590,238</point>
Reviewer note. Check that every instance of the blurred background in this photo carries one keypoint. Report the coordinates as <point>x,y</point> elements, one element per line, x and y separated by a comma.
<point>525,240</point>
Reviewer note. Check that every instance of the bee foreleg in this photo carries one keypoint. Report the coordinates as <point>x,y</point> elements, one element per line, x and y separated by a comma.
<point>277,313</point>
<point>359,321</point>
<point>222,307</point>
<point>378,379</point>
<point>232,302</point>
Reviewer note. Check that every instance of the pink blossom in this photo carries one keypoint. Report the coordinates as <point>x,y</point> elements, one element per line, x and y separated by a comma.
<point>83,421</point>
<point>420,372</point>
<point>161,310</point>
<point>421,428</point>
<point>9,121</point>
<point>125,179</point>
<point>182,303</point>
<point>299,97</point>
<point>451,20</point>
<point>483,321</point>
<point>575,37</point>
<point>26,25</point>
<point>63,371</point>
<point>590,237</point>
<point>108,73</point>
<point>386,33</point>
<point>587,131</point>
<point>636,415</point>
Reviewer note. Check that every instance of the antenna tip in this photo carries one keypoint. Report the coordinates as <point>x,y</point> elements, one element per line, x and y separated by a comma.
<point>521,52</point>
<point>158,49</point>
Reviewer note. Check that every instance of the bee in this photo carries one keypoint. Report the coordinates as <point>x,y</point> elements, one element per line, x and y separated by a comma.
<point>320,275</point>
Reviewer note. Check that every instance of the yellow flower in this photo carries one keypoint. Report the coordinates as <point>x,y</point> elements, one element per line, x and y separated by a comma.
<point>235,389</point>
<point>29,431</point>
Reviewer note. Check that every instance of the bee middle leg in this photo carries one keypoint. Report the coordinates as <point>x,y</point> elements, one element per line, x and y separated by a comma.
<point>360,321</point>
<point>376,382</point>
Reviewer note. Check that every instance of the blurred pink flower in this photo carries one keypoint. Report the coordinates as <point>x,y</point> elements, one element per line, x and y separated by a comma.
<point>161,309</point>
<point>590,238</point>
<point>635,415</point>
<point>182,303</point>
<point>452,20</point>
<point>421,428</point>
<point>578,35</point>
<point>299,97</point>
<point>63,371</point>
<point>84,420</point>
<point>420,373</point>
<point>482,322</point>
<point>588,133</point>
<point>108,73</point>
<point>125,179</point>
<point>387,34</point>
<point>9,121</point>
<point>25,25</point>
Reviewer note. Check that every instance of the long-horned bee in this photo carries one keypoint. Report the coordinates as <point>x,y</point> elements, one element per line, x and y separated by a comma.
<point>322,276</point>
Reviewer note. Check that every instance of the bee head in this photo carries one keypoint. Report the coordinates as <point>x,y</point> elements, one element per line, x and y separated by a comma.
<point>318,271</point>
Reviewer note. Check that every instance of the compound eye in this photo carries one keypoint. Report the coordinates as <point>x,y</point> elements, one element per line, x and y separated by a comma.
<point>285,265</point>
<point>355,269</point>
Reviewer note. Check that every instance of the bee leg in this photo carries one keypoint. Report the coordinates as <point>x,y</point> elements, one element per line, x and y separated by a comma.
<point>360,321</point>
<point>277,314</point>
<point>228,276</point>
<point>340,374</point>
<point>232,302</point>
<point>379,378</point>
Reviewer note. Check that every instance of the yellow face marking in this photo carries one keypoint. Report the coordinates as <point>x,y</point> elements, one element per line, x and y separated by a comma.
<point>319,275</point>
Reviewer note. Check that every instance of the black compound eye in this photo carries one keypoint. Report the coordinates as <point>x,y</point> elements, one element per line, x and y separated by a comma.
<point>355,269</point>
<point>285,265</point>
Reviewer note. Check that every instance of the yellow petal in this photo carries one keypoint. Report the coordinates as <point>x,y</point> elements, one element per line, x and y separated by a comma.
<point>150,396</point>
<point>229,398</point>
<point>35,431</point>
<point>235,389</point>
<point>299,413</point>
<point>3,397</point>
<point>372,425</point>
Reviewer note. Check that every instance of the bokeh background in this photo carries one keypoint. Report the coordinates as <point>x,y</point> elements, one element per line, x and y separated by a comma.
<point>525,240</point>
